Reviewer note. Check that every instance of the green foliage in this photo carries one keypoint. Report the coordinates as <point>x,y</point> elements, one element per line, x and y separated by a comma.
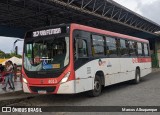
<point>8,55</point>
<point>2,54</point>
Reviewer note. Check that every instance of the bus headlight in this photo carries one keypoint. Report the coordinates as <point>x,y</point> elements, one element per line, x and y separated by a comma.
<point>65,77</point>
<point>24,80</point>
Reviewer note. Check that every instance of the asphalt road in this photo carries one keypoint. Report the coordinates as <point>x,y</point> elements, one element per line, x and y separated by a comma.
<point>146,93</point>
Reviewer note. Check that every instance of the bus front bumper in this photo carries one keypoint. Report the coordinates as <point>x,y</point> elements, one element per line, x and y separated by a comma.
<point>64,88</point>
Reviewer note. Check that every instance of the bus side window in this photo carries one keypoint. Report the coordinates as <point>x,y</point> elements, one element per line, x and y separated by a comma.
<point>139,49</point>
<point>124,47</point>
<point>82,52</point>
<point>132,48</point>
<point>146,50</point>
<point>111,46</point>
<point>97,45</point>
<point>142,49</point>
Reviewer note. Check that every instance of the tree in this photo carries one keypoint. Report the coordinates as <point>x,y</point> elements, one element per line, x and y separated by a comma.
<point>2,54</point>
<point>13,54</point>
<point>8,55</point>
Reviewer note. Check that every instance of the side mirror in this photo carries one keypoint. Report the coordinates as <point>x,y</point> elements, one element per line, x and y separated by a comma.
<point>80,43</point>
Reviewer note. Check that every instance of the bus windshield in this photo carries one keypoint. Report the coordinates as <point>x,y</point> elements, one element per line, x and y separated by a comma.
<point>46,54</point>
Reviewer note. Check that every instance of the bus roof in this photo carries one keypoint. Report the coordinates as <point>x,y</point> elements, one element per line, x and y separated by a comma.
<point>99,31</point>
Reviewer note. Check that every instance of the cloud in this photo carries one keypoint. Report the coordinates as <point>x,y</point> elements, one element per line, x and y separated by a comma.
<point>147,8</point>
<point>6,44</point>
<point>131,4</point>
<point>151,11</point>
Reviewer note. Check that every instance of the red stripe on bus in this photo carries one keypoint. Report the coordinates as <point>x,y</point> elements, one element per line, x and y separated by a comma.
<point>141,60</point>
<point>91,29</point>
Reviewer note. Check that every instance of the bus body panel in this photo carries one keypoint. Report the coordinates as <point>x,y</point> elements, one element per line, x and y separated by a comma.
<point>113,72</point>
<point>67,88</point>
<point>25,88</point>
<point>119,69</point>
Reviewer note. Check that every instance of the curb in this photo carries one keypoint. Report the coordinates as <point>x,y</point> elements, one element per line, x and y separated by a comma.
<point>155,70</point>
<point>10,93</point>
<point>14,100</point>
<point>14,97</point>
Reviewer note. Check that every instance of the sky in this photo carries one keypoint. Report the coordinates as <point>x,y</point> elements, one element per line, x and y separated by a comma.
<point>6,44</point>
<point>147,8</point>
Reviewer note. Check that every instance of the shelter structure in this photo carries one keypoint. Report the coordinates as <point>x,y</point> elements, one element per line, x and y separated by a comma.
<point>18,16</point>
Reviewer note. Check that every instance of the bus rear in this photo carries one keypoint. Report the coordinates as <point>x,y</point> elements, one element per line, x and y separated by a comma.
<point>47,61</point>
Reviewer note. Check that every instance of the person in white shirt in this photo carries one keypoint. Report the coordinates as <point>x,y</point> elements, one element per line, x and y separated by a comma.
<point>9,75</point>
<point>11,70</point>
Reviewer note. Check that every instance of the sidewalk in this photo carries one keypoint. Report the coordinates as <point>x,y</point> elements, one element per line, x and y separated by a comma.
<point>155,69</point>
<point>18,87</point>
<point>9,96</point>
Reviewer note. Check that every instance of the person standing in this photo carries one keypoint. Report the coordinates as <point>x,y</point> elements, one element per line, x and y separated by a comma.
<point>15,72</point>
<point>11,68</point>
<point>6,75</point>
<point>1,68</point>
<point>9,75</point>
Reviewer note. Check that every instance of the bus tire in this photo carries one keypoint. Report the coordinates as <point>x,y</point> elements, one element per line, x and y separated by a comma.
<point>137,77</point>
<point>97,87</point>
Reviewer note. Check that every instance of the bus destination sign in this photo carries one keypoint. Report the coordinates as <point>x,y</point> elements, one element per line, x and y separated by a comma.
<point>47,32</point>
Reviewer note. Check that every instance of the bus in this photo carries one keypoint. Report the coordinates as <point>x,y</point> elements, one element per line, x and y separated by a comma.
<point>73,58</point>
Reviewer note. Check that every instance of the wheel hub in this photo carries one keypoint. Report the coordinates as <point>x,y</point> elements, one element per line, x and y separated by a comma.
<point>97,85</point>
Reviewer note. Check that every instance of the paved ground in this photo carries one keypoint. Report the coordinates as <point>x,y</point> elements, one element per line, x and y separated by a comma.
<point>18,87</point>
<point>124,94</point>
<point>147,93</point>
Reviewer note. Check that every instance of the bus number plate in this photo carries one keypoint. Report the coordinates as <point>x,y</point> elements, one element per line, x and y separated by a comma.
<point>42,91</point>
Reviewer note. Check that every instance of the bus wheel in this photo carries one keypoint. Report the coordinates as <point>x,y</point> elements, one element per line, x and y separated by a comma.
<point>97,87</point>
<point>137,77</point>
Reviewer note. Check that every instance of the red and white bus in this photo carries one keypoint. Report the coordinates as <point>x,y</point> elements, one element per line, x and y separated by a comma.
<point>73,58</point>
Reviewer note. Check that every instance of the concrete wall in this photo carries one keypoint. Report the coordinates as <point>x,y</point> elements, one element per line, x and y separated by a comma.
<point>158,51</point>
